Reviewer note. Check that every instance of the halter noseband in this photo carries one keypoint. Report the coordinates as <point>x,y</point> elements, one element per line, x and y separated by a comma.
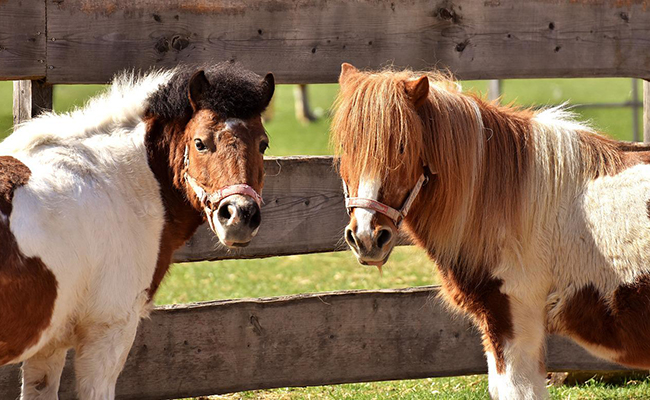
<point>207,200</point>
<point>397,216</point>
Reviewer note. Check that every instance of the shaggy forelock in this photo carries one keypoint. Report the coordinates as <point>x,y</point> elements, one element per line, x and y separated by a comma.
<point>373,120</point>
<point>234,92</point>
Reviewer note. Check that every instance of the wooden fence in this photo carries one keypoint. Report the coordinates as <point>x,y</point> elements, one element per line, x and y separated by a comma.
<point>328,338</point>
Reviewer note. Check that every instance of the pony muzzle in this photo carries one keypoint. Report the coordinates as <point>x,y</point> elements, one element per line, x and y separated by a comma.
<point>235,220</point>
<point>371,247</point>
<point>233,212</point>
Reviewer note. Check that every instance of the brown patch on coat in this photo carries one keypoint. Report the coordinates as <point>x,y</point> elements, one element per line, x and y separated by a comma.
<point>620,325</point>
<point>165,157</point>
<point>27,288</point>
<point>602,156</point>
<point>637,157</point>
<point>479,296</point>
<point>13,173</point>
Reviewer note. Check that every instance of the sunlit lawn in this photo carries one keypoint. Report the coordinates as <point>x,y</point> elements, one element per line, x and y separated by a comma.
<point>338,271</point>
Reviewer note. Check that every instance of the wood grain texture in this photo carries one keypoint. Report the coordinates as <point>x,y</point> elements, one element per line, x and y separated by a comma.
<point>22,39</point>
<point>30,98</point>
<point>303,212</point>
<point>304,340</point>
<point>305,41</point>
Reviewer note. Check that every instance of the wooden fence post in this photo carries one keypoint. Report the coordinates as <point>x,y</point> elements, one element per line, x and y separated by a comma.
<point>494,89</point>
<point>646,111</point>
<point>30,99</point>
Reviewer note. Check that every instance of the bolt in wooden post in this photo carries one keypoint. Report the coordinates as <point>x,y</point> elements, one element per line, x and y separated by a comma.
<point>30,99</point>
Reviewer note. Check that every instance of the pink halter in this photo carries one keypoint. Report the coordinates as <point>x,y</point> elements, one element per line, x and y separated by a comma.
<point>397,216</point>
<point>207,200</point>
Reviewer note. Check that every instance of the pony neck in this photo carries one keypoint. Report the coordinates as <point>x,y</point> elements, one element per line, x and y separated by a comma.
<point>165,152</point>
<point>481,155</point>
<point>165,156</point>
<point>502,172</point>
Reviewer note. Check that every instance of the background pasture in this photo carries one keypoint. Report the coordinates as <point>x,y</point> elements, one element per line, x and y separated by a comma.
<point>338,271</point>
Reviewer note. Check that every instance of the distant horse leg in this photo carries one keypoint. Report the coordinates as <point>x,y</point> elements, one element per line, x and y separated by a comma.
<point>42,374</point>
<point>101,354</point>
<point>518,370</point>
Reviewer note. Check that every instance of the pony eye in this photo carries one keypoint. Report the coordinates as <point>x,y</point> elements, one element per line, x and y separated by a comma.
<point>263,147</point>
<point>200,146</point>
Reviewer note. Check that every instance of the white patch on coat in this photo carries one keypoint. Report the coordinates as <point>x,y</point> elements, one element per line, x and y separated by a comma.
<point>516,382</point>
<point>369,189</point>
<point>231,123</point>
<point>522,377</point>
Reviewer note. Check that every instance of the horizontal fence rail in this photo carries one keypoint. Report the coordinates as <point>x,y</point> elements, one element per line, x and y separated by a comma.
<point>315,339</point>
<point>22,39</point>
<point>305,41</point>
<point>303,212</point>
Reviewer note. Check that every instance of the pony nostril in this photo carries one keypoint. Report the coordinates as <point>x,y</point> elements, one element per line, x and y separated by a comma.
<point>383,237</point>
<point>255,218</point>
<point>349,237</point>
<point>224,212</point>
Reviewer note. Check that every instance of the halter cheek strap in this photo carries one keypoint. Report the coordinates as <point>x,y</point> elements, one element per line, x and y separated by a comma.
<point>208,200</point>
<point>397,216</point>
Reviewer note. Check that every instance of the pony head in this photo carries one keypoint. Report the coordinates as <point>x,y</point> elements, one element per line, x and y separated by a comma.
<point>223,154</point>
<point>377,133</point>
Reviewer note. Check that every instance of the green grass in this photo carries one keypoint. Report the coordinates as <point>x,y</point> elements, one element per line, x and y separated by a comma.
<point>339,271</point>
<point>277,276</point>
<point>473,387</point>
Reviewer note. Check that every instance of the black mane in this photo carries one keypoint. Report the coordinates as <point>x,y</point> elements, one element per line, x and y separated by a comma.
<point>234,92</point>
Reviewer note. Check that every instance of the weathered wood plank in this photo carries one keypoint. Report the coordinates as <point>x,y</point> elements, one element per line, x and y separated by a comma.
<point>305,41</point>
<point>22,39</point>
<point>30,98</point>
<point>303,340</point>
<point>304,212</point>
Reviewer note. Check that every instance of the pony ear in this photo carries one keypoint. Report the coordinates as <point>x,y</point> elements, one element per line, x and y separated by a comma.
<point>268,85</point>
<point>417,90</point>
<point>198,85</point>
<point>346,70</point>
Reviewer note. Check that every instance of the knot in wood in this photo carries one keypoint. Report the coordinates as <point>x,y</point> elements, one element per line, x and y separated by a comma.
<point>180,42</point>
<point>447,14</point>
<point>162,45</point>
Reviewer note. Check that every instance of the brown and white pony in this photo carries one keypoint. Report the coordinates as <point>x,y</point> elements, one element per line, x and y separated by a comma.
<point>536,223</point>
<point>94,203</point>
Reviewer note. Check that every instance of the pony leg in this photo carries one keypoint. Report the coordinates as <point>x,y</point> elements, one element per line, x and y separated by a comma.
<point>100,357</point>
<point>42,374</point>
<point>516,370</point>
